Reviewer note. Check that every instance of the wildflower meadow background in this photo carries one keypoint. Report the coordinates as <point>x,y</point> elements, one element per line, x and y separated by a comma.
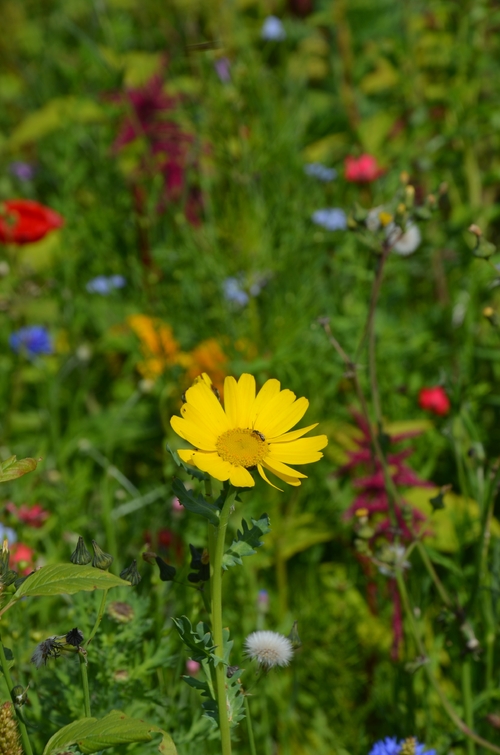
<point>303,191</point>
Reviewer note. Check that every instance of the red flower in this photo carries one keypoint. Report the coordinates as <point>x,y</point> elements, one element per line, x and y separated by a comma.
<point>23,221</point>
<point>33,516</point>
<point>21,558</point>
<point>363,169</point>
<point>434,400</point>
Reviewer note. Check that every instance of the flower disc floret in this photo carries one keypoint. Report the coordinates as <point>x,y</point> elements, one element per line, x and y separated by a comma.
<point>252,430</point>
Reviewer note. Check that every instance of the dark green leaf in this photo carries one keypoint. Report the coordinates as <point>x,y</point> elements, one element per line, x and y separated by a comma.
<point>247,540</point>
<point>195,502</point>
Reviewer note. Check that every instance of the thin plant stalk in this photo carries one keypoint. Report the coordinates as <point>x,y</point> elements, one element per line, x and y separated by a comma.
<point>217,537</point>
<point>85,683</point>
<point>98,620</point>
<point>448,707</point>
<point>251,739</point>
<point>22,726</point>
<point>467,698</point>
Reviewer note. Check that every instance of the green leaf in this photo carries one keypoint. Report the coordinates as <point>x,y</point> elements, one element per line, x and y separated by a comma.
<point>199,641</point>
<point>58,113</point>
<point>12,468</point>
<point>91,735</point>
<point>58,579</point>
<point>195,502</point>
<point>192,471</point>
<point>247,540</point>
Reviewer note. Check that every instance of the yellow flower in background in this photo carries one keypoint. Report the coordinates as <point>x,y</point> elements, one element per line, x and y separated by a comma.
<point>251,431</point>
<point>158,344</point>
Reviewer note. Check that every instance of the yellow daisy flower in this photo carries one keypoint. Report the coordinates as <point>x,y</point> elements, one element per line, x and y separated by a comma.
<point>251,431</point>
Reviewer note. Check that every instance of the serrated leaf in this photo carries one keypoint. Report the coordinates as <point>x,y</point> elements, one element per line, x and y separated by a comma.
<point>11,468</point>
<point>247,540</point>
<point>192,471</point>
<point>91,734</point>
<point>195,502</point>
<point>199,641</point>
<point>59,579</point>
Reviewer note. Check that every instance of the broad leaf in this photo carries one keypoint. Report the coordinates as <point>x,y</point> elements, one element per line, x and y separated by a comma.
<point>247,540</point>
<point>91,734</point>
<point>195,502</point>
<point>58,579</point>
<point>12,468</point>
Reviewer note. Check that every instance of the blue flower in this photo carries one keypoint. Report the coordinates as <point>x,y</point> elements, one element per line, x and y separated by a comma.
<point>316,170</point>
<point>333,219</point>
<point>7,532</point>
<point>273,30</point>
<point>104,285</point>
<point>234,293</point>
<point>391,746</point>
<point>33,340</point>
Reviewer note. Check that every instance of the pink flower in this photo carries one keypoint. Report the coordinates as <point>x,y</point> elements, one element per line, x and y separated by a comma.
<point>33,516</point>
<point>434,400</point>
<point>363,169</point>
<point>177,507</point>
<point>22,558</point>
<point>192,667</point>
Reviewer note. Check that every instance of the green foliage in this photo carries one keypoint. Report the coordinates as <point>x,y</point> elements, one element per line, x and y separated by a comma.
<point>60,579</point>
<point>195,502</point>
<point>246,542</point>
<point>11,468</point>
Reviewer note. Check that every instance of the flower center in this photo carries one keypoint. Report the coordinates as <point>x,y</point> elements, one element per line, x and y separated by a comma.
<point>242,447</point>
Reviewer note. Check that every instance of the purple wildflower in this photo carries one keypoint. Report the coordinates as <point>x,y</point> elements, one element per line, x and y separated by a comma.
<point>223,69</point>
<point>32,340</point>
<point>332,219</point>
<point>22,171</point>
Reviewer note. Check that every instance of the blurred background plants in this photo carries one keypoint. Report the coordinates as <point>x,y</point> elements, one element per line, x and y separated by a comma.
<point>174,141</point>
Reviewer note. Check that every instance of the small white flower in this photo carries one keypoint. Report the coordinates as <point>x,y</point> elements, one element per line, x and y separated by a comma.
<point>403,243</point>
<point>373,220</point>
<point>392,557</point>
<point>273,30</point>
<point>269,648</point>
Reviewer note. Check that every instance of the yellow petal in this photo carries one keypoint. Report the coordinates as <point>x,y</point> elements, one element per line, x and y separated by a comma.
<point>240,477</point>
<point>303,451</point>
<point>276,466</point>
<point>193,434</point>
<point>287,418</point>
<point>203,399</point>
<point>212,464</point>
<point>194,417</point>
<point>231,401</point>
<point>286,478</point>
<point>265,419</point>
<point>267,393</point>
<point>264,477</point>
<point>246,399</point>
<point>286,437</point>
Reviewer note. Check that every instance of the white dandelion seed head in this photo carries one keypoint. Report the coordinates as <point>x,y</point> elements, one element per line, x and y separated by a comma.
<point>269,648</point>
<point>404,243</point>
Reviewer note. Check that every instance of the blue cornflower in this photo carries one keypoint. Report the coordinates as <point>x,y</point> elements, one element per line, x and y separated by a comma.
<point>7,533</point>
<point>234,293</point>
<point>33,340</point>
<point>273,30</point>
<point>332,218</point>
<point>103,284</point>
<point>391,746</point>
<point>317,170</point>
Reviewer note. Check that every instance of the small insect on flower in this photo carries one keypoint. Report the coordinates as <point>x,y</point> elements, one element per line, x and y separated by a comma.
<point>269,648</point>
<point>259,435</point>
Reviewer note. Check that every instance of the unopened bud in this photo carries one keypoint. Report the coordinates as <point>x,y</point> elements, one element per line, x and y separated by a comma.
<point>74,637</point>
<point>443,188</point>
<point>294,637</point>
<point>409,196</point>
<point>101,559</point>
<point>431,200</point>
<point>131,574</point>
<point>404,177</point>
<point>149,557</point>
<point>80,555</point>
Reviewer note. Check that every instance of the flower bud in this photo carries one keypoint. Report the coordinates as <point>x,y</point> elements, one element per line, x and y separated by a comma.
<point>131,574</point>
<point>101,560</point>
<point>404,177</point>
<point>74,637</point>
<point>475,229</point>
<point>409,196</point>
<point>294,637</point>
<point>9,734</point>
<point>80,555</point>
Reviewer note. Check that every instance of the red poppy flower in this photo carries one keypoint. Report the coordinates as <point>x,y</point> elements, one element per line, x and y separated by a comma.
<point>434,400</point>
<point>363,169</point>
<point>23,221</point>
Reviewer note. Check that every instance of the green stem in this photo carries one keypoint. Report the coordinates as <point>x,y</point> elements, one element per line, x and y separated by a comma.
<point>22,726</point>
<point>82,656</point>
<point>433,574</point>
<point>216,546</point>
<point>251,739</point>
<point>98,620</point>
<point>467,698</point>
<point>448,707</point>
